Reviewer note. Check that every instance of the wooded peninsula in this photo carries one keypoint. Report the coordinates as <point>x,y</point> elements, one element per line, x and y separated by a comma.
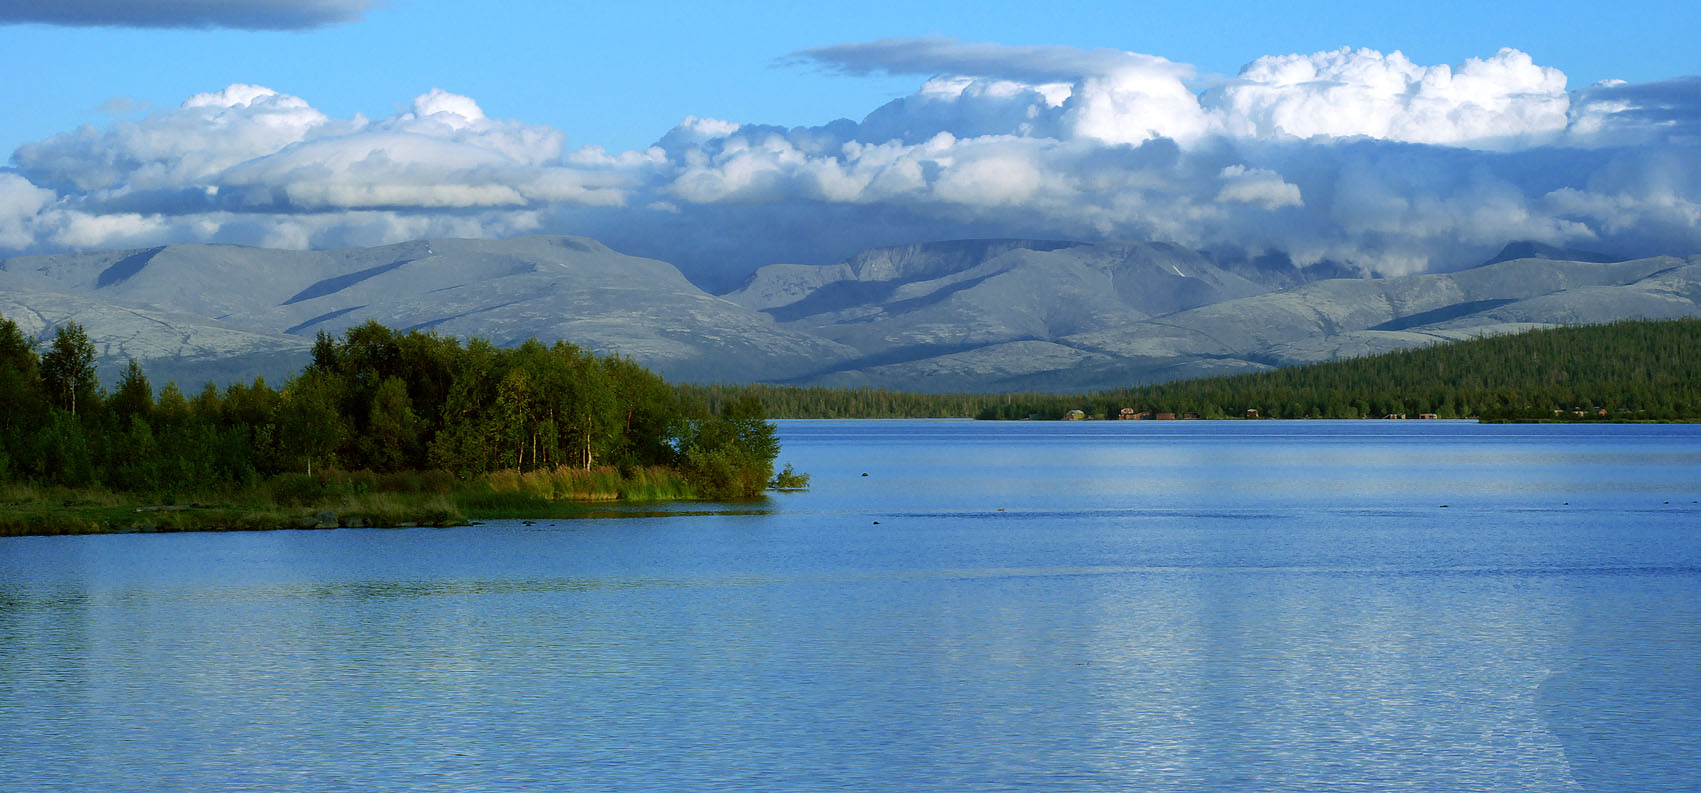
<point>386,428</point>
<point>382,428</point>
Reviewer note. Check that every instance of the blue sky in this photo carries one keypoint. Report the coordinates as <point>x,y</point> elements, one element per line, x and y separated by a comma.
<point>1391,138</point>
<point>621,74</point>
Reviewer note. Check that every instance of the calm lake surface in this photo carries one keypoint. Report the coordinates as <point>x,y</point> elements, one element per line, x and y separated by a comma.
<point>1129,606</point>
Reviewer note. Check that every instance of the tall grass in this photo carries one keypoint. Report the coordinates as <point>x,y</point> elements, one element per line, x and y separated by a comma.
<point>656,484</point>
<point>565,483</point>
<point>394,509</point>
<point>357,498</point>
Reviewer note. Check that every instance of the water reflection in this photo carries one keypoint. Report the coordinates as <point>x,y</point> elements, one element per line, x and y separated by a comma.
<point>1038,606</point>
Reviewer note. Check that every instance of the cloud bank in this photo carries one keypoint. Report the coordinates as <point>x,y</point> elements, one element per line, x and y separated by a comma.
<point>242,14</point>
<point>1352,156</point>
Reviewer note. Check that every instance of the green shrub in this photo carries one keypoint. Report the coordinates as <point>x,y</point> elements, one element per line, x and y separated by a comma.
<point>300,490</point>
<point>789,479</point>
<point>727,473</point>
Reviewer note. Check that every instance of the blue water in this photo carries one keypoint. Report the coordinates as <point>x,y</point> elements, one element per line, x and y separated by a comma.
<point>1130,606</point>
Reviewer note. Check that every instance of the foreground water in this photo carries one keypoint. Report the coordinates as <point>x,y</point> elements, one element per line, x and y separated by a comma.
<point>1235,606</point>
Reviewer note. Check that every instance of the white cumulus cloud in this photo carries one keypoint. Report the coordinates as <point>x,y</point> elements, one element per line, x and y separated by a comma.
<point>20,204</point>
<point>1354,156</point>
<point>189,145</point>
<point>1344,93</point>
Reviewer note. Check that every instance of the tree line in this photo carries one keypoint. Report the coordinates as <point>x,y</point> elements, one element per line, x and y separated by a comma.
<point>1627,370</point>
<point>375,399</point>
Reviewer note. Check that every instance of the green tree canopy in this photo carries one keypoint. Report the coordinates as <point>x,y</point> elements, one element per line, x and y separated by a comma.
<point>68,370</point>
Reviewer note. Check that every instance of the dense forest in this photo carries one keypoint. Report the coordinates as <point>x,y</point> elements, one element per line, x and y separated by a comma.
<point>378,401</point>
<point>1640,370</point>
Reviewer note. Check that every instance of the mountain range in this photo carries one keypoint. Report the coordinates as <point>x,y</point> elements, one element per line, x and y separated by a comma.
<point>966,315</point>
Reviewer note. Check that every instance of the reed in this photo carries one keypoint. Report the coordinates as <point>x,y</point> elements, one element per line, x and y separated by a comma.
<point>565,483</point>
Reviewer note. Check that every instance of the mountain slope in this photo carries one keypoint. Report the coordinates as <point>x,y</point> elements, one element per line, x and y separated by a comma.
<point>971,315</point>
<point>505,290</point>
<point>870,273</point>
<point>920,302</point>
<point>177,347</point>
<point>1319,321</point>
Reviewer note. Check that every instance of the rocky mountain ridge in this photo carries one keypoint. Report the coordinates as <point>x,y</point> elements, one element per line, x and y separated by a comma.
<point>975,315</point>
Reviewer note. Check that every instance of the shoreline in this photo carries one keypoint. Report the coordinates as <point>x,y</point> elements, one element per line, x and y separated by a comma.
<point>44,518</point>
<point>361,500</point>
<point>331,500</point>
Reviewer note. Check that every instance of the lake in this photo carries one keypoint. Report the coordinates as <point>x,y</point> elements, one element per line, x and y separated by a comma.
<point>1050,606</point>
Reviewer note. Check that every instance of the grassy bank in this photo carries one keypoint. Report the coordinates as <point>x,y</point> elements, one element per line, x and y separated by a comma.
<point>336,499</point>
<point>563,492</point>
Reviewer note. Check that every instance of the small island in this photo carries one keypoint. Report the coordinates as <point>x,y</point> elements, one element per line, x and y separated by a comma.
<point>382,428</point>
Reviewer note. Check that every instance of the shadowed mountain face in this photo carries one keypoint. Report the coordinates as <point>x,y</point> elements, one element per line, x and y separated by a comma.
<point>965,315</point>
<point>1536,250</point>
<point>897,305</point>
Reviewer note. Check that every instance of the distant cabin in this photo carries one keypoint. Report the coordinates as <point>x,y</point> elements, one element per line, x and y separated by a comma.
<point>1190,415</point>
<point>1428,416</point>
<point>1075,415</point>
<point>1395,416</point>
<point>1252,413</point>
<point>1166,417</point>
<point>1126,414</point>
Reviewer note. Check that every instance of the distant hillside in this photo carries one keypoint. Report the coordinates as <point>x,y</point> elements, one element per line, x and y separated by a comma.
<point>546,287</point>
<point>904,309</point>
<point>990,315</point>
<point>1013,315</point>
<point>1634,370</point>
<point>1536,250</point>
